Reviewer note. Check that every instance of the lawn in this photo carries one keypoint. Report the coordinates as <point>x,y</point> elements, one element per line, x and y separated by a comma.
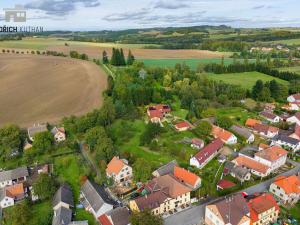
<point>81,215</point>
<point>246,80</point>
<point>237,114</point>
<point>286,42</point>
<point>294,69</point>
<point>293,211</point>
<point>192,63</point>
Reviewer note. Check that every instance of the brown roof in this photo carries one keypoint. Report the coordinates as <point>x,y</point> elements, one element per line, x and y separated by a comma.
<point>296,96</point>
<point>289,184</point>
<point>219,132</point>
<point>252,122</point>
<point>272,154</point>
<point>232,209</point>
<point>183,124</point>
<point>186,176</point>
<point>115,165</point>
<point>15,190</point>
<point>263,128</point>
<point>251,164</point>
<point>152,200</point>
<point>268,115</point>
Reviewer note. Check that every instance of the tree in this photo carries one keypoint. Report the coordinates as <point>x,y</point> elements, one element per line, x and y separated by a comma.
<point>224,122</point>
<point>209,112</point>
<point>122,58</point>
<point>145,218</point>
<point>44,187</point>
<point>257,89</point>
<point>130,58</point>
<point>104,149</point>
<point>142,170</point>
<point>10,139</point>
<point>43,141</point>
<point>105,57</point>
<point>92,135</point>
<point>20,215</point>
<point>204,128</point>
<point>151,131</point>
<point>265,95</point>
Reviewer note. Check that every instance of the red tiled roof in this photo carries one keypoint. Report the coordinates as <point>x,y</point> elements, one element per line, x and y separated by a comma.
<point>268,115</point>
<point>263,128</point>
<point>272,154</point>
<point>296,96</point>
<point>155,114</point>
<point>289,184</point>
<point>224,184</point>
<point>219,132</point>
<point>252,122</point>
<point>251,164</point>
<point>260,205</point>
<point>115,166</point>
<point>209,150</point>
<point>15,190</point>
<point>104,220</point>
<point>183,124</point>
<point>186,176</point>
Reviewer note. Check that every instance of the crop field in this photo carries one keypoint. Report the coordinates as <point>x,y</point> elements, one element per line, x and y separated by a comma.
<point>36,89</point>
<point>246,80</point>
<point>192,63</point>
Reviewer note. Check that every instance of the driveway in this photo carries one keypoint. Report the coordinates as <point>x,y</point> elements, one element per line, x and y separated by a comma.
<point>195,214</point>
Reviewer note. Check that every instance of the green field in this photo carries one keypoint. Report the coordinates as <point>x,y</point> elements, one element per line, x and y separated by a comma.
<point>44,43</point>
<point>294,69</point>
<point>287,42</point>
<point>246,80</point>
<point>192,63</point>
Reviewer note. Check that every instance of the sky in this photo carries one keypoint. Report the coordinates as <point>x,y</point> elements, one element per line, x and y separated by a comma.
<point>84,15</point>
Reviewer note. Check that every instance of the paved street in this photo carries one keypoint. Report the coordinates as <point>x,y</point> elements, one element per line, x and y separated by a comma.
<point>195,215</point>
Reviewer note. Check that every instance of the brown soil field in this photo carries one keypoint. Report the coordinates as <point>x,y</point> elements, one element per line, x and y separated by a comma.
<point>39,89</point>
<point>96,52</point>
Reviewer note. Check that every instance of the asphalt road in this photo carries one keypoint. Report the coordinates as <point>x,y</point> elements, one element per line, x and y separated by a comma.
<point>195,214</point>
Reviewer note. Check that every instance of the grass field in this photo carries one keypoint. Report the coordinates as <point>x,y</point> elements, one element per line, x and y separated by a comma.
<point>246,80</point>
<point>287,42</point>
<point>192,63</point>
<point>36,89</point>
<point>294,69</point>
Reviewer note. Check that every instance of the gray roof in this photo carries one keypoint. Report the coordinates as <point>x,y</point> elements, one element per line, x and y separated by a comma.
<point>242,131</point>
<point>286,139</point>
<point>2,193</point>
<point>14,174</point>
<point>239,172</point>
<point>63,194</point>
<point>119,216</point>
<point>36,129</point>
<point>62,216</point>
<point>167,168</point>
<point>96,195</point>
<point>79,223</point>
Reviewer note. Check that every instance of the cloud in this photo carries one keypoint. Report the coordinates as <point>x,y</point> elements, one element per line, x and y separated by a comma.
<point>170,5</point>
<point>258,7</point>
<point>128,15</point>
<point>60,7</point>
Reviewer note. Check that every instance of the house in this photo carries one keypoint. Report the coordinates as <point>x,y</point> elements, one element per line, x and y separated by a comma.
<point>292,106</point>
<point>263,146</point>
<point>294,119</point>
<point>273,157</point>
<point>11,177</point>
<point>157,113</point>
<point>265,130</point>
<point>263,209</point>
<point>252,122</point>
<point>287,142</point>
<point>243,132</point>
<point>271,117</point>
<point>225,184</point>
<point>226,136</point>
<point>296,133</point>
<point>119,170</point>
<point>197,143</point>
<point>59,134</point>
<point>239,172</point>
<point>63,204</point>
<point>255,167</point>
<point>188,178</point>
<point>95,199</point>
<point>9,195</point>
<point>206,154</point>
<point>117,216</point>
<point>63,198</point>
<point>163,194</point>
<point>39,128</point>
<point>165,169</point>
<point>183,126</point>
<point>294,98</point>
<point>286,189</point>
<point>231,210</point>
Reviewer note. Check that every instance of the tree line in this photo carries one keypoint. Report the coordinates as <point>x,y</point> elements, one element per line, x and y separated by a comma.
<point>118,58</point>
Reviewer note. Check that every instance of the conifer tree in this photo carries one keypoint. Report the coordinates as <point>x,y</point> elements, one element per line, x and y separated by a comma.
<point>130,58</point>
<point>104,57</point>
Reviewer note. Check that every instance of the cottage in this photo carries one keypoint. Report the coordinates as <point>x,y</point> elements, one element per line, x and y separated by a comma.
<point>188,178</point>
<point>157,113</point>
<point>95,199</point>
<point>119,171</point>
<point>118,216</point>
<point>287,142</point>
<point>9,195</point>
<point>164,194</point>
<point>165,169</point>
<point>39,128</point>
<point>294,119</point>
<point>231,210</point>
<point>266,130</point>
<point>226,136</point>
<point>183,126</point>
<point>254,166</point>
<point>197,143</point>
<point>263,209</point>
<point>243,132</point>
<point>271,117</point>
<point>286,189</point>
<point>206,154</point>
<point>11,177</point>
<point>239,172</point>
<point>273,157</point>
<point>59,134</point>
